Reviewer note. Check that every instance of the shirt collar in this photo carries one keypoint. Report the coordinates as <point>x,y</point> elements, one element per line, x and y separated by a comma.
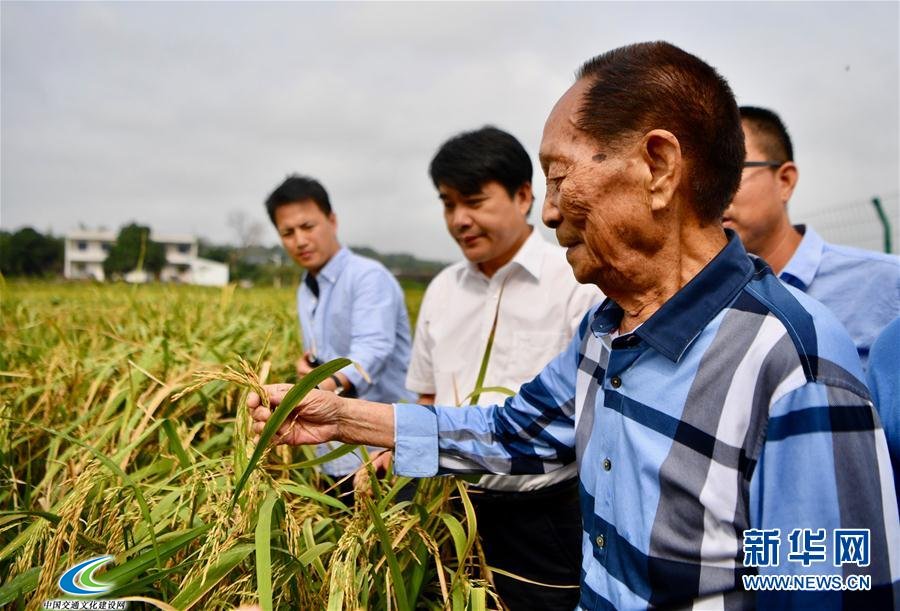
<point>802,267</point>
<point>672,328</point>
<point>529,257</point>
<point>336,264</point>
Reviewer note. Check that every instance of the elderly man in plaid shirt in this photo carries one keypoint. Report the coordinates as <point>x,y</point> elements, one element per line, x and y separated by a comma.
<point>709,407</point>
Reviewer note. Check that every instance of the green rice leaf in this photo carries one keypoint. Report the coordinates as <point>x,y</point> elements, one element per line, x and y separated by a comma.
<point>264,551</point>
<point>315,552</point>
<point>309,539</point>
<point>486,357</point>
<point>20,584</point>
<point>311,493</point>
<point>281,413</point>
<point>175,444</point>
<point>503,390</point>
<point>457,533</point>
<point>19,540</point>
<point>477,599</point>
<point>139,496</point>
<point>170,544</point>
<point>11,516</point>
<point>336,453</point>
<point>393,565</point>
<point>458,596</point>
<point>192,592</point>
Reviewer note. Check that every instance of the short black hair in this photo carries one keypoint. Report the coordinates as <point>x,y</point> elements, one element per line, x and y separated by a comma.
<point>468,160</point>
<point>772,135</point>
<point>656,85</point>
<point>297,188</point>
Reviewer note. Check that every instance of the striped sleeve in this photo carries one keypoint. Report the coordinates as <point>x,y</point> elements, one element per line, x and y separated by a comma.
<point>532,432</point>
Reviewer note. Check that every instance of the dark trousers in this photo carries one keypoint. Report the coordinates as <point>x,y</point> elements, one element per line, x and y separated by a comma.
<point>536,535</point>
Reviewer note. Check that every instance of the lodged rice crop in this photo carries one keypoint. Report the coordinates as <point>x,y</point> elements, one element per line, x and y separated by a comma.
<point>124,431</point>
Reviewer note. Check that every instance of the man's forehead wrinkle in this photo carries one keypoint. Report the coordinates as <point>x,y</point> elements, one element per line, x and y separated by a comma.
<point>573,121</point>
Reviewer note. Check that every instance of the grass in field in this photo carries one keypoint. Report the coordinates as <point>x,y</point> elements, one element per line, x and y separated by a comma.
<point>97,456</point>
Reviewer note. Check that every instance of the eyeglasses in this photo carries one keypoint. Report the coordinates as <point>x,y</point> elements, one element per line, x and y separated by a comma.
<point>763,164</point>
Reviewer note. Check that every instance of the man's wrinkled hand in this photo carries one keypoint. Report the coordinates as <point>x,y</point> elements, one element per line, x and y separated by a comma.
<point>314,420</point>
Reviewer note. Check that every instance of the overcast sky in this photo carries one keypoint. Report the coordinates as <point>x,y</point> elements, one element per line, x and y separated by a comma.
<point>176,114</point>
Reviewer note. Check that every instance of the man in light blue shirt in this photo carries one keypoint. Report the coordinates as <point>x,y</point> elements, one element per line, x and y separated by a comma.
<point>861,287</point>
<point>717,417</point>
<point>348,305</point>
<point>883,377</point>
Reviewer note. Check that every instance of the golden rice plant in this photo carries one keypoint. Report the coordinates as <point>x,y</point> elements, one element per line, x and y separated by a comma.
<point>124,431</point>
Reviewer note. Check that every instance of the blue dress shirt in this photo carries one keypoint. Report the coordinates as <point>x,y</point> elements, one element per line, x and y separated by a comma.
<point>861,287</point>
<point>884,382</point>
<point>359,314</point>
<point>737,407</point>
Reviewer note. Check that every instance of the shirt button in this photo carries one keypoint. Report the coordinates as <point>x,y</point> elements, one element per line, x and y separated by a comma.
<point>601,541</point>
<point>615,381</point>
<point>607,464</point>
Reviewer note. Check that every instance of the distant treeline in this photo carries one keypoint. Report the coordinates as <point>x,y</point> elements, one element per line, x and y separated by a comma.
<point>270,264</point>
<point>27,252</point>
<point>30,253</point>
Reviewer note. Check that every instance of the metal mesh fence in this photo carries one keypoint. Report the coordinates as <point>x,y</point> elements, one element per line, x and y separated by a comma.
<point>855,223</point>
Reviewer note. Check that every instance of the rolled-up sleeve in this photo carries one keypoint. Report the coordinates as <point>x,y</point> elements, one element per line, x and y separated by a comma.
<point>416,440</point>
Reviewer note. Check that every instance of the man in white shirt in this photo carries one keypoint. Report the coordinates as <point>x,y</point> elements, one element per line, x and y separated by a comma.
<point>521,286</point>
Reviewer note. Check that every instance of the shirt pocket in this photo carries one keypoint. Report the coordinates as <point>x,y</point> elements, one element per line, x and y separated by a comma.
<point>532,350</point>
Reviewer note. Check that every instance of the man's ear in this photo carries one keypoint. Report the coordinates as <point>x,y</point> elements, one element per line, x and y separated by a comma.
<point>787,176</point>
<point>661,152</point>
<point>332,218</point>
<point>524,198</point>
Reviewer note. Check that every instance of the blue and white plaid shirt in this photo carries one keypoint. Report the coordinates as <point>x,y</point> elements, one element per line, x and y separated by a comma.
<point>738,405</point>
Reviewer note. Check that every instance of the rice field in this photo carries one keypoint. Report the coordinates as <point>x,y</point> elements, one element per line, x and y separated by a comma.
<point>123,431</point>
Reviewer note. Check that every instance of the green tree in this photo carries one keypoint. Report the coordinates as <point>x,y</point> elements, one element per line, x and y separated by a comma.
<point>214,252</point>
<point>29,253</point>
<point>5,263</point>
<point>134,248</point>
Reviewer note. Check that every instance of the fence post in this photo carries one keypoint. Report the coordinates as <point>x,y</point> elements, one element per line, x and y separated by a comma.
<point>885,223</point>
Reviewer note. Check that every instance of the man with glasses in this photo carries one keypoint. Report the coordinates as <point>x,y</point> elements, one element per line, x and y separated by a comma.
<point>711,411</point>
<point>861,287</point>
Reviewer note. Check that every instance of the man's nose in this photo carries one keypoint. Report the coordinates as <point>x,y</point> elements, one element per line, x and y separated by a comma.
<point>298,240</point>
<point>460,218</point>
<point>550,212</point>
